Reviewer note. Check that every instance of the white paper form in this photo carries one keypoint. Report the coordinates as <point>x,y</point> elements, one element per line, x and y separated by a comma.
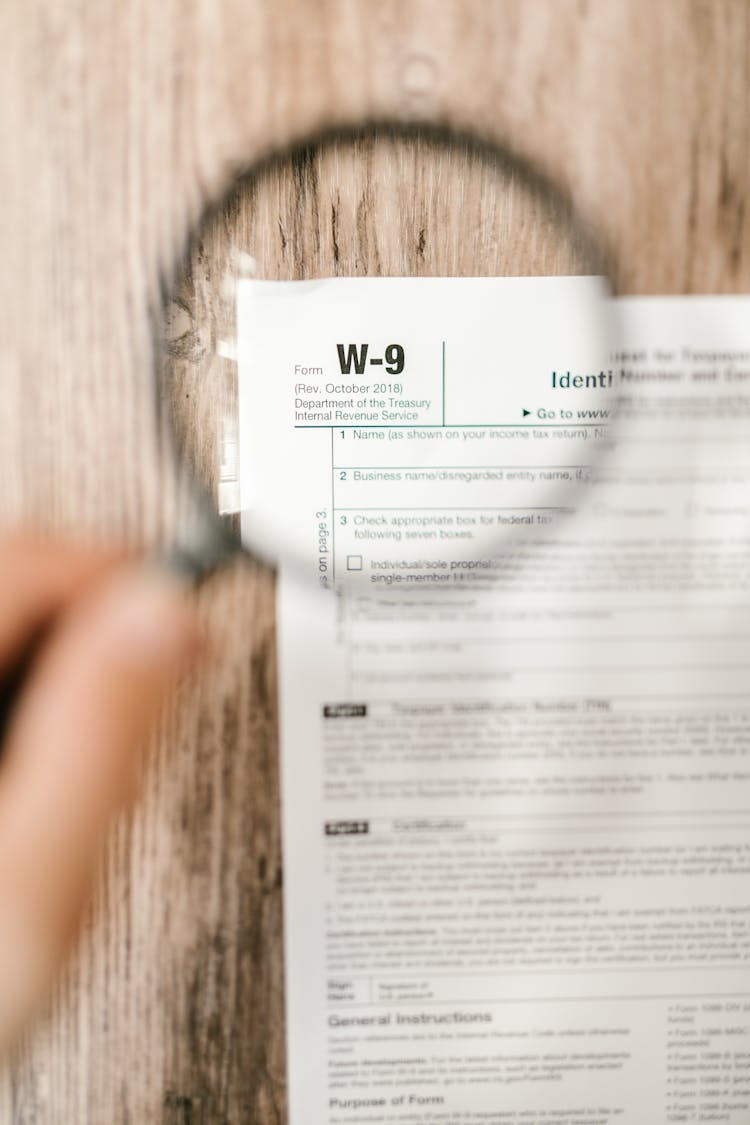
<point>515,783</point>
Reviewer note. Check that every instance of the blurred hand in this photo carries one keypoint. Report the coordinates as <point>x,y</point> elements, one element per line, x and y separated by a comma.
<point>107,641</point>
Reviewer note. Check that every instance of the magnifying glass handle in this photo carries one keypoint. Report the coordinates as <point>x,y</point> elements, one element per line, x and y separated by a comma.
<point>205,544</point>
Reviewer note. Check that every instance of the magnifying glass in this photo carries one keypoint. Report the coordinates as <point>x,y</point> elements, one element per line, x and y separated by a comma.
<point>385,201</point>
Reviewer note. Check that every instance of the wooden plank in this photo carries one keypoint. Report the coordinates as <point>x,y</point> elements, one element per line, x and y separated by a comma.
<point>119,123</point>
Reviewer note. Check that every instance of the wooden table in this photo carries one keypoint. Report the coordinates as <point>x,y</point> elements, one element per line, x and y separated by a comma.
<point>119,122</point>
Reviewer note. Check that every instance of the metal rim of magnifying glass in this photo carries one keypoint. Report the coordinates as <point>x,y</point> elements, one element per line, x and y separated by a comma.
<point>207,541</point>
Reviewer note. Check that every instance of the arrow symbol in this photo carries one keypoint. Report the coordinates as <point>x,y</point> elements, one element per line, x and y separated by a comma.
<point>525,413</point>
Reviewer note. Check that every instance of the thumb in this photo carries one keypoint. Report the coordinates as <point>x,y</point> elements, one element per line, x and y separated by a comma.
<point>71,761</point>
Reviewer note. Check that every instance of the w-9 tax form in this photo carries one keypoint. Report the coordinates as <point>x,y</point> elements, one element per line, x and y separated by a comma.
<point>514,669</point>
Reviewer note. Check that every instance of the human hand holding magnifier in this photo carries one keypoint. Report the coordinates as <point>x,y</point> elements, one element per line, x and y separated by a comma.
<point>102,641</point>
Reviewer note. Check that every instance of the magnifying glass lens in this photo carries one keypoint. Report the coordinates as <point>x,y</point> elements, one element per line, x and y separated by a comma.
<point>476,368</point>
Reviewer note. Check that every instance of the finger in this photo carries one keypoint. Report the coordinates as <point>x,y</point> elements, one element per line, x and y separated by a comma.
<point>38,579</point>
<point>70,763</point>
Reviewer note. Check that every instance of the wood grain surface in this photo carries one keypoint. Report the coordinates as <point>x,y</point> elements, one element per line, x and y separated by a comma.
<point>120,122</point>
